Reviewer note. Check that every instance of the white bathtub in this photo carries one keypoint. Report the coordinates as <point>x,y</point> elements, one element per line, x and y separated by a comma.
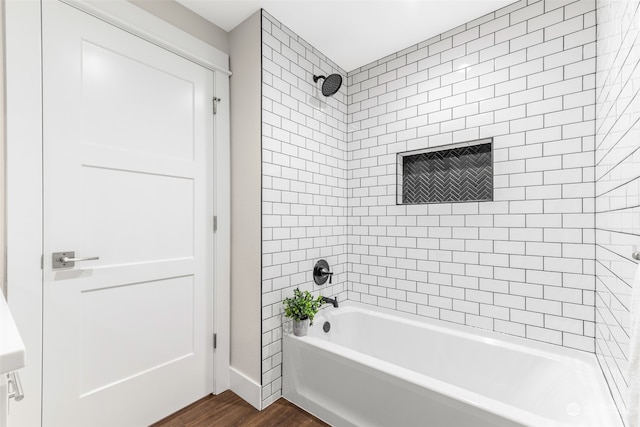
<point>380,368</point>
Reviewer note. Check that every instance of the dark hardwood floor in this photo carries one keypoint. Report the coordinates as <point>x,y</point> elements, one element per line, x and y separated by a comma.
<point>227,409</point>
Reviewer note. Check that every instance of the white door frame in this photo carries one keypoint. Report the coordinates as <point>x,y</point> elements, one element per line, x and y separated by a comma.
<point>24,176</point>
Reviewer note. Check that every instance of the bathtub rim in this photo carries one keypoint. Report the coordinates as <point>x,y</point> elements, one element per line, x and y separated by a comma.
<point>515,414</point>
<point>514,342</point>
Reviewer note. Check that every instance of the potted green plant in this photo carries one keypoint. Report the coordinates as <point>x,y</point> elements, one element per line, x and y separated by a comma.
<point>301,308</point>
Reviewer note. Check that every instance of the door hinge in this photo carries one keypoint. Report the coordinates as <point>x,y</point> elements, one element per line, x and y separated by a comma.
<point>215,223</point>
<point>215,104</point>
<point>41,262</point>
<point>215,341</point>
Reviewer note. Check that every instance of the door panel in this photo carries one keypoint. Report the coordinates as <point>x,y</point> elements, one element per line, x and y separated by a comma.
<point>128,177</point>
<point>110,77</point>
<point>153,327</point>
<point>154,213</point>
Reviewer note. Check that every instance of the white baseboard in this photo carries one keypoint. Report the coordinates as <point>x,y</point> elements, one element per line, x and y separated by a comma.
<point>246,388</point>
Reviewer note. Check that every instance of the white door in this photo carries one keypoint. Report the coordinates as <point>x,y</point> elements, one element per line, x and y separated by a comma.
<point>128,178</point>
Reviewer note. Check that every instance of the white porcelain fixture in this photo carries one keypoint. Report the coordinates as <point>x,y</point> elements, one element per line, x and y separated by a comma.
<point>11,354</point>
<point>376,367</point>
<point>11,346</point>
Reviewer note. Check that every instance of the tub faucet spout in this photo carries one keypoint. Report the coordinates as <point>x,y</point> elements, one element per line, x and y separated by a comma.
<point>333,301</point>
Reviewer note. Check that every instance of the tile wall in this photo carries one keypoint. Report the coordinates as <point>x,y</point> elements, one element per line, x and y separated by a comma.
<point>304,183</point>
<point>617,177</point>
<point>524,263</point>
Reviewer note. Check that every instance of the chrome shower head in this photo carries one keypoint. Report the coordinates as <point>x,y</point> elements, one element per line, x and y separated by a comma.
<point>331,83</point>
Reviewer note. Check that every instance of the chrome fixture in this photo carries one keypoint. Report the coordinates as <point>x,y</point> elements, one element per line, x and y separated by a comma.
<point>331,83</point>
<point>333,301</point>
<point>321,272</point>
<point>15,386</point>
<point>68,259</point>
<point>636,256</point>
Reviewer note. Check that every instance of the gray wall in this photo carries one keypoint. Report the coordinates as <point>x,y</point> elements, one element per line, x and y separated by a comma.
<point>617,185</point>
<point>188,21</point>
<point>245,51</point>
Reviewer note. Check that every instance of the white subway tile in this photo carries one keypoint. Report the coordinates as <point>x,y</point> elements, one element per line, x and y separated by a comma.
<point>526,289</point>
<point>578,129</point>
<point>565,27</point>
<point>452,316</point>
<point>527,40</point>
<point>440,46</point>
<point>511,32</point>
<point>480,94</point>
<point>511,86</point>
<point>556,293</point>
<point>495,103</point>
<point>511,301</point>
<point>544,49</point>
<point>565,235</point>
<point>479,322</point>
<point>579,342</point>
<point>580,38</point>
<point>452,54</point>
<point>528,12</point>
<point>544,78</point>
<point>480,43</point>
<point>494,25</point>
<point>466,36</point>
<point>549,18</point>
<point>544,306</point>
<point>526,68</point>
<point>527,317</point>
<point>578,311</point>
<point>564,117</point>
<point>545,106</point>
<point>570,266</point>
<point>527,124</point>
<point>510,8</point>
<point>545,335</point>
<point>526,96</point>
<point>509,328</point>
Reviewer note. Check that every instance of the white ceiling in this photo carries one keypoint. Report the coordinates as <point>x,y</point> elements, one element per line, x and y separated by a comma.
<point>353,33</point>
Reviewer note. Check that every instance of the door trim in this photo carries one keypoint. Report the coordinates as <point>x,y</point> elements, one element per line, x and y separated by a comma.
<point>134,20</point>
<point>24,207</point>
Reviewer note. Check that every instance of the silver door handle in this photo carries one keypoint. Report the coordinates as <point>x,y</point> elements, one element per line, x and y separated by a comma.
<point>68,259</point>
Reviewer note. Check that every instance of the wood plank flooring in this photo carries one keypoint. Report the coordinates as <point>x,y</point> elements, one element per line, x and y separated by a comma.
<point>227,409</point>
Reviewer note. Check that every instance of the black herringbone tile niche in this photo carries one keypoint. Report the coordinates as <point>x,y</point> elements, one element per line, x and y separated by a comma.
<point>455,175</point>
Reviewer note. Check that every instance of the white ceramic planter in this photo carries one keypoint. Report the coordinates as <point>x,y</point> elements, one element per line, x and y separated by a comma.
<point>300,327</point>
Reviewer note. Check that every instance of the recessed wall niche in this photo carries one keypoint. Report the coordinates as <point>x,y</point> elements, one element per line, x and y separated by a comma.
<point>460,172</point>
